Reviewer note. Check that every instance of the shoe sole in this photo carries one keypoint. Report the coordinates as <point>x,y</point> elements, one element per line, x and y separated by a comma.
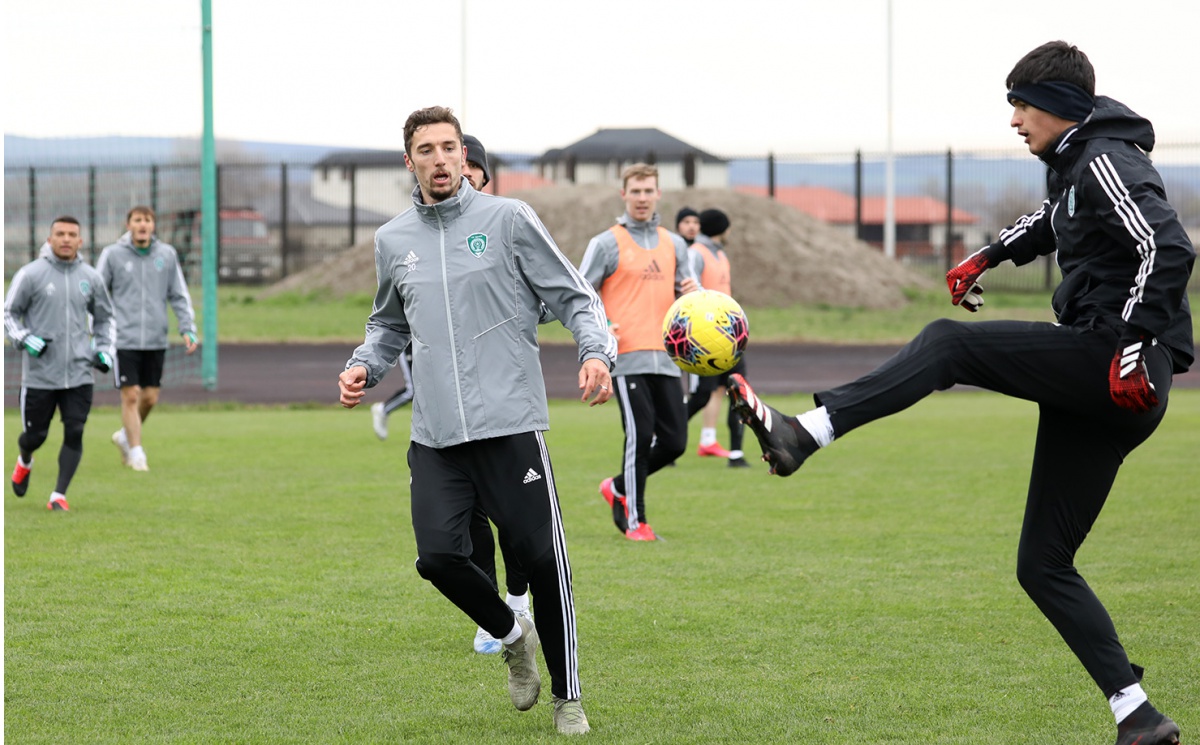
<point>759,418</point>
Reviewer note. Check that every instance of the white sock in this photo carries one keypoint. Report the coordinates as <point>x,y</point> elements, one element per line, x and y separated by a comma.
<point>818,425</point>
<point>518,602</point>
<point>57,495</point>
<point>735,454</point>
<point>1126,700</point>
<point>137,452</point>
<point>513,635</point>
<point>708,436</point>
<point>22,462</point>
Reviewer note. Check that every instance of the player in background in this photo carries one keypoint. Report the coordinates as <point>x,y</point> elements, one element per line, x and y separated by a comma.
<point>687,224</point>
<point>1101,375</point>
<point>143,276</point>
<point>58,312</point>
<point>463,276</point>
<point>483,553</point>
<point>639,268</point>
<point>709,249</point>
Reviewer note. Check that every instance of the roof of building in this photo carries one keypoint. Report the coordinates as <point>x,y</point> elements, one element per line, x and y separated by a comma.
<point>629,145</point>
<point>363,158</point>
<point>833,206</point>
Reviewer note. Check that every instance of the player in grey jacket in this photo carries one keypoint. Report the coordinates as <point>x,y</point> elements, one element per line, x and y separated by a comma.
<point>58,312</point>
<point>144,276</point>
<point>463,276</point>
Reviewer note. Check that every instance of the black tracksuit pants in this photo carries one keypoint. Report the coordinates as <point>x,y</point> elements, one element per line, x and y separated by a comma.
<point>511,479</point>
<point>1082,439</point>
<point>652,411</point>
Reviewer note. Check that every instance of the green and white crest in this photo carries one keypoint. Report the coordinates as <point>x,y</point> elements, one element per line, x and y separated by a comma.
<point>1071,202</point>
<point>477,242</point>
<point>85,287</point>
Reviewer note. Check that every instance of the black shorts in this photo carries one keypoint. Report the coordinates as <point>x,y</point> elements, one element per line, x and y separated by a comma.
<point>140,367</point>
<point>38,406</point>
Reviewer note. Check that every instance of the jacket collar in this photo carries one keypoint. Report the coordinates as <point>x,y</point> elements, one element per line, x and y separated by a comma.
<point>447,210</point>
<point>127,241</point>
<point>630,223</point>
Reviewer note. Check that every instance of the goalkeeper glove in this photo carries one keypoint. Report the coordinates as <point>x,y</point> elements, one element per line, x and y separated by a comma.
<point>34,344</point>
<point>1128,379</point>
<point>963,281</point>
<point>102,361</point>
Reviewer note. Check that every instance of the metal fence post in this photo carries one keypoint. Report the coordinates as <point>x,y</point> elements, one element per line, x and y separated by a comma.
<point>283,220</point>
<point>92,213</point>
<point>858,195</point>
<point>154,188</point>
<point>949,208</point>
<point>33,245</point>
<point>353,202</point>
<point>771,175</point>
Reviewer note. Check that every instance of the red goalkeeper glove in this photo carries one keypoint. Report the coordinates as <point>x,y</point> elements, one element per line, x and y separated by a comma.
<point>963,281</point>
<point>1128,380</point>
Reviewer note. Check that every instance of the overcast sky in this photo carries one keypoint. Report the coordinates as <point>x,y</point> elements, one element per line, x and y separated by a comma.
<point>737,77</point>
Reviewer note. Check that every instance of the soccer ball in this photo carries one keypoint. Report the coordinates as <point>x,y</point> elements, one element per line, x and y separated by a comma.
<point>705,332</point>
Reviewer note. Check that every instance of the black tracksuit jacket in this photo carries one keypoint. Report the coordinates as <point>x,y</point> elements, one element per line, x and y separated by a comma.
<point>1125,257</point>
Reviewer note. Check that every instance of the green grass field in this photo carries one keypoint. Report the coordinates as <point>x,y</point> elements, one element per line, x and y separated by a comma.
<point>305,318</point>
<point>257,587</point>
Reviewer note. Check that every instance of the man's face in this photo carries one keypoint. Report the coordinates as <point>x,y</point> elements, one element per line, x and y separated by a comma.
<point>641,197</point>
<point>1039,128</point>
<point>474,173</point>
<point>65,240</point>
<point>437,161</point>
<point>689,227</point>
<point>140,227</point>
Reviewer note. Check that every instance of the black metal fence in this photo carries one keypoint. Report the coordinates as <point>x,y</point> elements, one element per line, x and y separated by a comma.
<point>277,219</point>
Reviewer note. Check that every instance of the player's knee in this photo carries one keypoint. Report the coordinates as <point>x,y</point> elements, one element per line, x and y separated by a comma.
<point>942,328</point>
<point>73,435</point>
<point>437,567</point>
<point>32,439</point>
<point>1035,572</point>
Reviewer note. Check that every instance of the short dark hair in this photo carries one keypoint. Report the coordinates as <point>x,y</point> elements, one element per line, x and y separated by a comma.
<point>1054,60</point>
<point>426,116</point>
<point>140,209</point>
<point>66,219</point>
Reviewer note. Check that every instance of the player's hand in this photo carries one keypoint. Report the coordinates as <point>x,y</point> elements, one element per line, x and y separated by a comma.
<point>102,361</point>
<point>594,378</point>
<point>963,281</point>
<point>34,345</point>
<point>189,341</point>
<point>1129,381</point>
<point>352,384</point>
<point>689,285</point>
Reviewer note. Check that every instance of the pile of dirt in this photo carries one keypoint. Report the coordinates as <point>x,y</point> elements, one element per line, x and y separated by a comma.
<point>780,256</point>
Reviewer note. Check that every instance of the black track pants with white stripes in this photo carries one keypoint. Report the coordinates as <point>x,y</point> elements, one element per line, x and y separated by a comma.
<point>655,420</point>
<point>511,478</point>
<point>1082,439</point>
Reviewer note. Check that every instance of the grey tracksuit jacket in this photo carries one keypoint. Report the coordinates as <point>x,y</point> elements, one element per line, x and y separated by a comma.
<point>600,262</point>
<point>142,285</point>
<point>465,280</point>
<point>65,303</point>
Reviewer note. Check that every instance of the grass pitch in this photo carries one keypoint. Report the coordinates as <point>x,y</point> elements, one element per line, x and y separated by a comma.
<point>257,587</point>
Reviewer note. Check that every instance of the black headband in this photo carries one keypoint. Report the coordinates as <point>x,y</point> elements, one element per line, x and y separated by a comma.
<point>1064,100</point>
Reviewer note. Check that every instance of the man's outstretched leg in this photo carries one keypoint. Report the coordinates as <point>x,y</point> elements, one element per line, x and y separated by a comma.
<point>785,444</point>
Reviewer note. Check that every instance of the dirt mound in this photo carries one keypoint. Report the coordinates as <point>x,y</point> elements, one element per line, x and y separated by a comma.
<point>780,256</point>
